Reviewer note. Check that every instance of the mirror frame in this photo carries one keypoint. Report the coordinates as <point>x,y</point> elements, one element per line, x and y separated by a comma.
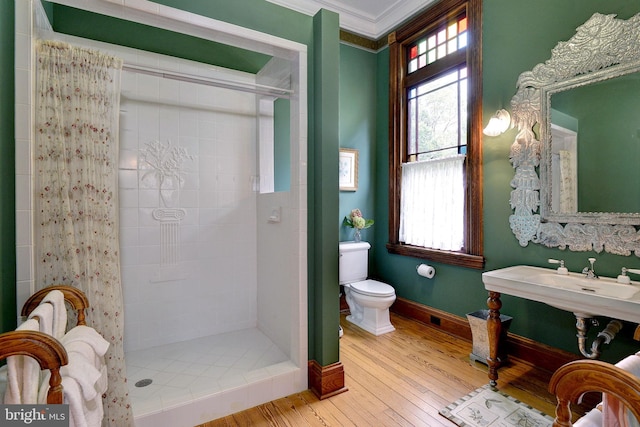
<point>602,48</point>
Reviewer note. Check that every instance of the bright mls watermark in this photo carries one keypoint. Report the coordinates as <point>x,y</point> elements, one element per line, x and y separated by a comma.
<point>34,415</point>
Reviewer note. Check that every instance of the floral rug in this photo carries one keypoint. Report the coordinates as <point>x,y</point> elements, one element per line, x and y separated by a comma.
<point>486,407</point>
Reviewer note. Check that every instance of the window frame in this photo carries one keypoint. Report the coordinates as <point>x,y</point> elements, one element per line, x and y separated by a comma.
<point>471,255</point>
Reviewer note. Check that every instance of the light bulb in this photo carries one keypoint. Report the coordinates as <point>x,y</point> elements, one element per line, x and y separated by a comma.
<point>498,124</point>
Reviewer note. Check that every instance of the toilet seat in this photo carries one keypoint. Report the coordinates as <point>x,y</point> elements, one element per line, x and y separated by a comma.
<point>372,288</point>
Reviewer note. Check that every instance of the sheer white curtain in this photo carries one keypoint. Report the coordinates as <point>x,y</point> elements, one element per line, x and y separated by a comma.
<point>432,203</point>
<point>76,160</point>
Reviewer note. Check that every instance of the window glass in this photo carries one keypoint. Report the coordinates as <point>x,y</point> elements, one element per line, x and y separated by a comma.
<point>438,44</point>
<point>437,116</point>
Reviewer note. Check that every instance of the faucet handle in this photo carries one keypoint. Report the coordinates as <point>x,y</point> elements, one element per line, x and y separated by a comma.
<point>562,269</point>
<point>589,270</point>
<point>623,278</point>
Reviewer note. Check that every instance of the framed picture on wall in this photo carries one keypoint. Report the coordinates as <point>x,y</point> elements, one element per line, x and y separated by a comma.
<point>348,169</point>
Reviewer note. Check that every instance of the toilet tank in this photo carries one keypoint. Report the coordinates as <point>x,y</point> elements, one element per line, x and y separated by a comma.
<point>354,261</point>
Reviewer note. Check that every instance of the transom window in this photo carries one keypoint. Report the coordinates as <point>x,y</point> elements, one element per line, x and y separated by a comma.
<point>435,200</point>
<point>438,44</point>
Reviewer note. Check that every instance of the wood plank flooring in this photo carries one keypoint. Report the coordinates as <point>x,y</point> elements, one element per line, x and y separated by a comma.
<point>399,379</point>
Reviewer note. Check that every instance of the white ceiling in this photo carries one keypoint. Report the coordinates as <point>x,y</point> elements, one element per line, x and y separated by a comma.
<point>369,18</point>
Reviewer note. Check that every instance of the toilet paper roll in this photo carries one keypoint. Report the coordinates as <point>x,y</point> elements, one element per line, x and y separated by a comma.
<point>425,270</point>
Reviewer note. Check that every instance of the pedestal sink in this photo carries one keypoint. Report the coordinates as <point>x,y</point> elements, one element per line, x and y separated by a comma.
<point>572,292</point>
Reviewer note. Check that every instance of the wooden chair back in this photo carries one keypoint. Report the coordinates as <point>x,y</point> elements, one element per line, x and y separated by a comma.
<point>574,379</point>
<point>74,296</point>
<point>48,351</point>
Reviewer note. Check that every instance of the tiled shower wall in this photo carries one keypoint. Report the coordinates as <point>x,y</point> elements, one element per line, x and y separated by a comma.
<point>187,210</point>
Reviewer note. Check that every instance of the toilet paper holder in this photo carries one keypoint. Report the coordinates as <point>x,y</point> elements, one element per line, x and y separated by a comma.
<point>425,270</point>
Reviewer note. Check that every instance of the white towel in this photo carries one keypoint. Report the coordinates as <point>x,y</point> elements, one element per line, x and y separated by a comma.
<point>592,418</point>
<point>614,413</point>
<point>86,373</point>
<point>3,381</point>
<point>56,299</point>
<point>44,314</point>
<point>79,380</point>
<point>73,397</point>
<point>79,369</point>
<point>631,364</point>
<point>87,341</point>
<point>88,335</point>
<point>23,373</point>
<point>94,412</point>
<point>103,382</point>
<point>82,413</point>
<point>86,350</point>
<point>83,371</point>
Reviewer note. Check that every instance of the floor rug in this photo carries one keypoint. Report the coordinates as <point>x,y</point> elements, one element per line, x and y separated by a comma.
<point>486,407</point>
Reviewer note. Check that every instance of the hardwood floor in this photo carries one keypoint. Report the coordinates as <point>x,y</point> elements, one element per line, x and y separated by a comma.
<point>398,379</point>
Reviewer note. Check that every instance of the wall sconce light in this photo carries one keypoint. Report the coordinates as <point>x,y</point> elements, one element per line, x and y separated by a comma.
<point>498,124</point>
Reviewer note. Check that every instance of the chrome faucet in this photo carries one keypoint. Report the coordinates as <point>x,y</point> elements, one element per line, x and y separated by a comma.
<point>588,271</point>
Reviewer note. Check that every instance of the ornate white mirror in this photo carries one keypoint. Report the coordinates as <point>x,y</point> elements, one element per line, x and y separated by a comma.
<point>578,121</point>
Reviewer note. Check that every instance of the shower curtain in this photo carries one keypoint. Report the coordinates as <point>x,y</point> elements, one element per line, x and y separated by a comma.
<point>76,212</point>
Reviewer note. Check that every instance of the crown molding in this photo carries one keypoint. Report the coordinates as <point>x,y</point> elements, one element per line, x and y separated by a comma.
<point>373,19</point>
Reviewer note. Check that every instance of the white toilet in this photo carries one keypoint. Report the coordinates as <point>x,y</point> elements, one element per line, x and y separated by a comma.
<point>369,300</point>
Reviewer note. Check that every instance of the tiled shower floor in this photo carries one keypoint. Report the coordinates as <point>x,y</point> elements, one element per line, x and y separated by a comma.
<point>184,371</point>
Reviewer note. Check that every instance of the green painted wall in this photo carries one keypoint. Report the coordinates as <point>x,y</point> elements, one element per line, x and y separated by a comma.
<point>513,43</point>
<point>282,145</point>
<point>517,34</point>
<point>92,26</point>
<point>323,154</point>
<point>358,95</point>
<point>259,15</point>
<point>7,170</point>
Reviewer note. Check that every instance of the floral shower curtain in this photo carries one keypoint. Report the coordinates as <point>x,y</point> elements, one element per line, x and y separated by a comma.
<point>76,161</point>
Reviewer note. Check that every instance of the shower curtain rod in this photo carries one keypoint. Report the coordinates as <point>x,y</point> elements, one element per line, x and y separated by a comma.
<point>209,81</point>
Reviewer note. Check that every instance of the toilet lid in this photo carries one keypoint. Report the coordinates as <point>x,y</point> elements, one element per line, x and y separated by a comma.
<point>373,288</point>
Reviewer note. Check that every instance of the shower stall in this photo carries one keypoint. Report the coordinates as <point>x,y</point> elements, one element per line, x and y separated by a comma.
<point>204,309</point>
<point>212,226</point>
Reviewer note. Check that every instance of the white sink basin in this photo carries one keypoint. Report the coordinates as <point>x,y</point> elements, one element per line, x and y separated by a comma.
<point>605,286</point>
<point>573,292</point>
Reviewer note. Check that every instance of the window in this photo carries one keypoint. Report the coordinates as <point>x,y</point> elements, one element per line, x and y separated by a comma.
<point>435,162</point>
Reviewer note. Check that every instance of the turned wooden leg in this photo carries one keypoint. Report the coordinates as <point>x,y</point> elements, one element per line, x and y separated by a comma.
<point>494,329</point>
<point>563,414</point>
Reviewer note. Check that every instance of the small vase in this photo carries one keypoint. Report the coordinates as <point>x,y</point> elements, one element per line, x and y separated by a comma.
<point>356,235</point>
